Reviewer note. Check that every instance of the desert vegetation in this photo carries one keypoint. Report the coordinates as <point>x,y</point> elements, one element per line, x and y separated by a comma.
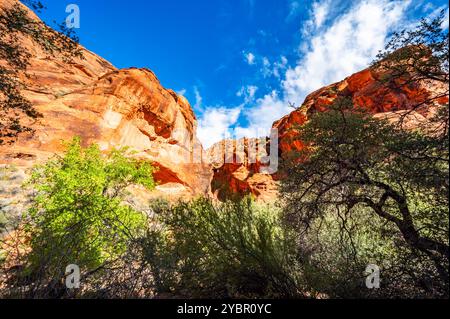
<point>363,190</point>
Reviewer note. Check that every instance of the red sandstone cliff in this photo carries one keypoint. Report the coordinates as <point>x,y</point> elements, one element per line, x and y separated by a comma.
<point>367,91</point>
<point>238,169</point>
<point>92,99</point>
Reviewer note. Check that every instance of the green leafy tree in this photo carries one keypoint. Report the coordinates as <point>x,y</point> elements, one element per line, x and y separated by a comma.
<point>372,179</point>
<point>16,24</point>
<point>78,215</point>
<point>353,162</point>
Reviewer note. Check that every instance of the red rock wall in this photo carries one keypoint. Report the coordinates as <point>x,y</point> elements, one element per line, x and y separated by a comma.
<point>92,99</point>
<point>366,90</point>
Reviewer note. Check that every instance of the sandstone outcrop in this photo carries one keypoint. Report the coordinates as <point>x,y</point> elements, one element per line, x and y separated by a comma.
<point>88,97</point>
<point>239,169</point>
<point>366,90</point>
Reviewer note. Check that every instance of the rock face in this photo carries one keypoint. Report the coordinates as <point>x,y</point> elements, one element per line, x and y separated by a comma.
<point>92,99</point>
<point>365,89</point>
<point>239,169</point>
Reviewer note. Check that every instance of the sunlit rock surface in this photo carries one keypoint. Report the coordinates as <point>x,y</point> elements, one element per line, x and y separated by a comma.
<point>113,108</point>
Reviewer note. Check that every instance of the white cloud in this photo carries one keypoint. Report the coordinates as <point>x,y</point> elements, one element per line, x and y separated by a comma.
<point>250,58</point>
<point>265,69</point>
<point>333,52</point>
<point>339,46</point>
<point>427,7</point>
<point>446,21</point>
<point>279,66</point>
<point>349,44</point>
<point>215,123</point>
<point>251,90</point>
<point>248,92</point>
<point>198,99</point>
<point>436,12</point>
<point>320,12</point>
<point>181,92</point>
<point>261,117</point>
<point>432,13</point>
<point>273,69</point>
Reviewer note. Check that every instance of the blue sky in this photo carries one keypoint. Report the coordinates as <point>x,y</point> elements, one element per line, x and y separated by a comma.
<point>239,62</point>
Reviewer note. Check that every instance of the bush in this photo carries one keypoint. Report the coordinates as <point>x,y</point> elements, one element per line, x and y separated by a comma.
<point>232,249</point>
<point>77,215</point>
<point>339,250</point>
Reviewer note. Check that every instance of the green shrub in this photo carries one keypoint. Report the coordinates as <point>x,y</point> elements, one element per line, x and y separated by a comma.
<point>340,249</point>
<point>77,215</point>
<point>232,249</point>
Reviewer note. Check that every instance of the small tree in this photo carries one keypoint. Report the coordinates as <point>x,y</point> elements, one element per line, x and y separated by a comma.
<point>77,214</point>
<point>420,55</point>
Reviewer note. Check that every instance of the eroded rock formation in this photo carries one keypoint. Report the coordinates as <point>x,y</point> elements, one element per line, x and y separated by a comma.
<point>92,99</point>
<point>367,90</point>
<point>239,169</point>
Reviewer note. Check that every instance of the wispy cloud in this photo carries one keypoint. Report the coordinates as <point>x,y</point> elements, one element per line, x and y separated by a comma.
<point>273,69</point>
<point>435,11</point>
<point>215,124</point>
<point>320,12</point>
<point>333,46</point>
<point>344,46</point>
<point>294,10</point>
<point>261,116</point>
<point>198,100</point>
<point>248,93</point>
<point>250,58</point>
<point>446,20</point>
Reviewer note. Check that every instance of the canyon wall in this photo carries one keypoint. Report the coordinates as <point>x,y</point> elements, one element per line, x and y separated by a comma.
<point>367,90</point>
<point>90,98</point>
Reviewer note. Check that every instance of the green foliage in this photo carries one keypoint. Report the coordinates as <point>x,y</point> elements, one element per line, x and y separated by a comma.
<point>354,163</point>
<point>77,215</point>
<point>233,249</point>
<point>342,246</point>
